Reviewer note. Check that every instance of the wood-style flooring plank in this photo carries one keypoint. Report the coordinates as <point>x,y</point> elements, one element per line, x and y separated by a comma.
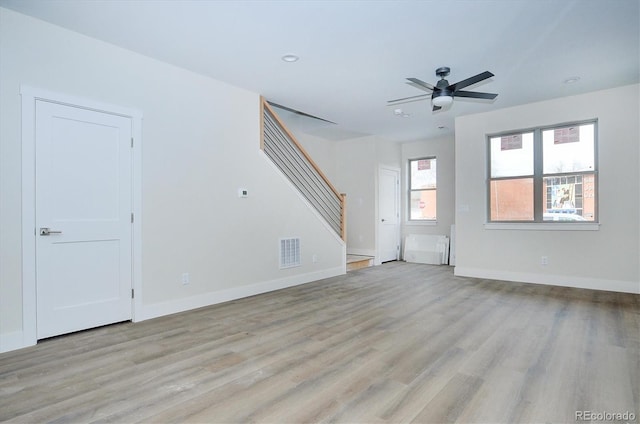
<point>389,344</point>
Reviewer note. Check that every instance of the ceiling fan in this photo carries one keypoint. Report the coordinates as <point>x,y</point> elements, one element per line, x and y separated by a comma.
<point>442,93</point>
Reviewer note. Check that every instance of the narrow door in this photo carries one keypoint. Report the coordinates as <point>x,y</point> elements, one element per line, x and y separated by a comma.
<point>389,216</point>
<point>83,218</point>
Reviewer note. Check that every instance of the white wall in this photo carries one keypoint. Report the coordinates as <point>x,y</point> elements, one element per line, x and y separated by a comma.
<point>357,164</point>
<point>443,149</point>
<point>606,259</point>
<point>388,153</point>
<point>200,144</point>
<point>321,150</point>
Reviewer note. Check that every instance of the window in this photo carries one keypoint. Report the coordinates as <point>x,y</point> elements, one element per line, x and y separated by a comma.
<point>422,189</point>
<point>544,175</point>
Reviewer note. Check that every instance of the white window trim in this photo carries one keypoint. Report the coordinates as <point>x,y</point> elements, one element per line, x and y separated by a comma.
<point>543,226</point>
<point>421,222</point>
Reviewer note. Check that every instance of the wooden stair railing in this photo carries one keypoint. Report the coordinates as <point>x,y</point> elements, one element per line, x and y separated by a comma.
<point>291,158</point>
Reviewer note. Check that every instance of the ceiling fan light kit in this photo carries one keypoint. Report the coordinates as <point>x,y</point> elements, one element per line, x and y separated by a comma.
<point>442,93</point>
<point>442,101</point>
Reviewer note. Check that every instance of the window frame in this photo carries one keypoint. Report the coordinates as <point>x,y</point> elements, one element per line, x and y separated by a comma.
<point>411,190</point>
<point>538,177</point>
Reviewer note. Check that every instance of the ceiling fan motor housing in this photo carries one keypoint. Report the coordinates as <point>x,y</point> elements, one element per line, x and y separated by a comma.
<point>441,86</point>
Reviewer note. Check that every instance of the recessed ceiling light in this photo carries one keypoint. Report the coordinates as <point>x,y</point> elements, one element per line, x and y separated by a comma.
<point>571,80</point>
<point>397,111</point>
<point>290,58</point>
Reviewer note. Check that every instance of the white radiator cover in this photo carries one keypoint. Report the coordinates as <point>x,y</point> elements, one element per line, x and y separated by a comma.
<point>426,249</point>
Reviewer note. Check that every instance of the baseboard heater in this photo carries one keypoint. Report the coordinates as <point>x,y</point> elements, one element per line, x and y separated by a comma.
<point>426,249</point>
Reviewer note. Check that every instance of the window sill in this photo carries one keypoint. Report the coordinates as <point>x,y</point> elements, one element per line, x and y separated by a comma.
<point>420,223</point>
<point>543,226</point>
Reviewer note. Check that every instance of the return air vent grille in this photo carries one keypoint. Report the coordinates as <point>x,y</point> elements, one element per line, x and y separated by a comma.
<point>289,252</point>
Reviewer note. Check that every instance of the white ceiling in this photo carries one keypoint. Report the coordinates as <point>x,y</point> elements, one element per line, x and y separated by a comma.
<point>355,55</point>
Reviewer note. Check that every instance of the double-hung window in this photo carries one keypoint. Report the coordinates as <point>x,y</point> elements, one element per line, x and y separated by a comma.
<point>544,174</point>
<point>422,189</point>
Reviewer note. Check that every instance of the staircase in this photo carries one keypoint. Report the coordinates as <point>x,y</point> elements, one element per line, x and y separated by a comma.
<point>291,158</point>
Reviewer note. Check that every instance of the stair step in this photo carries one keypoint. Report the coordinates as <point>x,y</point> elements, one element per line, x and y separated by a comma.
<point>358,262</point>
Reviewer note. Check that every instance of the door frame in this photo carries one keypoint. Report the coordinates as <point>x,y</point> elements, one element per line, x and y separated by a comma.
<point>29,97</point>
<point>397,171</point>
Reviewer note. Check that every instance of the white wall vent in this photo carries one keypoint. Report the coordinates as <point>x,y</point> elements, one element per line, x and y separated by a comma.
<point>289,252</point>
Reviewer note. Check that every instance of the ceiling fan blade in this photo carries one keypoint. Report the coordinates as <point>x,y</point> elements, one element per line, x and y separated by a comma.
<point>418,86</point>
<point>421,84</point>
<point>408,99</point>
<point>469,81</point>
<point>475,95</point>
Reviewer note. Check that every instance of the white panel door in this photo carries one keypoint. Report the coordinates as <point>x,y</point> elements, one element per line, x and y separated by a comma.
<point>389,215</point>
<point>83,218</point>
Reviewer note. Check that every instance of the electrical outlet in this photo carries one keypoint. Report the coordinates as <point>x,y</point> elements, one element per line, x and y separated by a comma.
<point>544,260</point>
<point>185,278</point>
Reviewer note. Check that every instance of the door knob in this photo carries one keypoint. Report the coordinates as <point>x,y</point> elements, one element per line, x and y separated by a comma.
<point>45,231</point>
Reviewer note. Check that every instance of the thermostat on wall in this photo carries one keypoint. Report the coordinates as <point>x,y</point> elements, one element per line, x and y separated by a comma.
<point>243,192</point>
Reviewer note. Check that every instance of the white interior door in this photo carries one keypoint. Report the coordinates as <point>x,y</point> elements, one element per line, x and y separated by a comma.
<point>388,214</point>
<point>83,218</point>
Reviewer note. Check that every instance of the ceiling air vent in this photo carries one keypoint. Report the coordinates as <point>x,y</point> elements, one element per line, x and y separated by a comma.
<point>289,252</point>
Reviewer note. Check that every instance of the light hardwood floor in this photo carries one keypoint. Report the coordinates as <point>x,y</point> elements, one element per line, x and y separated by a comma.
<point>394,343</point>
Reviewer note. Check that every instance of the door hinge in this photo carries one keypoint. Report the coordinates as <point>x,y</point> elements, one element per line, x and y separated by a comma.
<point>132,142</point>
<point>131,293</point>
<point>132,217</point>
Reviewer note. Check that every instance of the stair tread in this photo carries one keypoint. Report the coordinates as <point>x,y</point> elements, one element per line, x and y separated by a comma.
<point>358,258</point>
<point>355,262</point>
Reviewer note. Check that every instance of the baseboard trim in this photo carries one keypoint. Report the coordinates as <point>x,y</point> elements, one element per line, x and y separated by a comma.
<point>181,305</point>
<point>12,341</point>
<point>361,252</point>
<point>551,280</point>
